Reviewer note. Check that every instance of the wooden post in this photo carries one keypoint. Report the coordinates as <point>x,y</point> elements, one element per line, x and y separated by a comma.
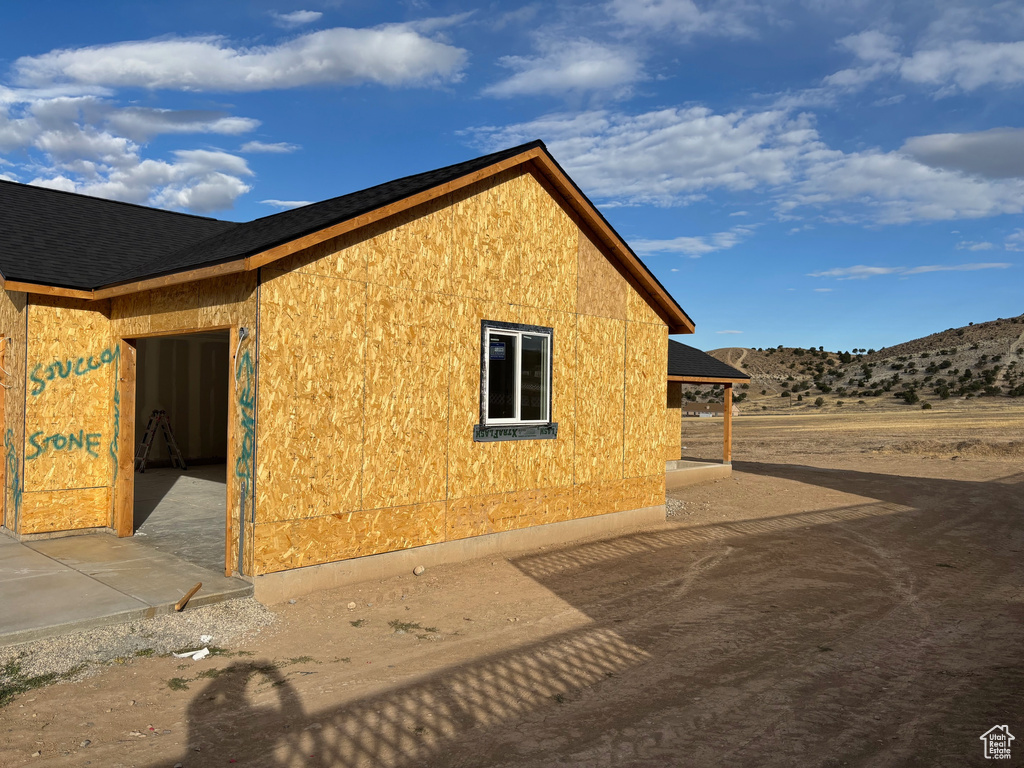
<point>727,424</point>
<point>124,485</point>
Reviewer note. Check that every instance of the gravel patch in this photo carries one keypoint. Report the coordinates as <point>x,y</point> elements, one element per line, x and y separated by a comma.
<point>674,507</point>
<point>77,655</point>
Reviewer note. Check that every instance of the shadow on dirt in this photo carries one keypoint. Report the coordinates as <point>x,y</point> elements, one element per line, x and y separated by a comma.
<point>885,632</point>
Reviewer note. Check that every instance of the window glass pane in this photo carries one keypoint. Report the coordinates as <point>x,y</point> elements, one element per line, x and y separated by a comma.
<point>501,377</point>
<point>533,403</point>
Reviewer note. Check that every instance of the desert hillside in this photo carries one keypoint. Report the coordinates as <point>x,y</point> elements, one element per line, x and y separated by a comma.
<point>949,368</point>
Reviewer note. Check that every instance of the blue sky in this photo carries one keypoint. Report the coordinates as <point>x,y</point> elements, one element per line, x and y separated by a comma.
<point>845,173</point>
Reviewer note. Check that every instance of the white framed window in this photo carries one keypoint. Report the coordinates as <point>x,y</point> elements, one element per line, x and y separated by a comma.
<point>515,376</point>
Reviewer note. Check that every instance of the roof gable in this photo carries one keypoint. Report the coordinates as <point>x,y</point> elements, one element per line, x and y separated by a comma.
<point>100,248</point>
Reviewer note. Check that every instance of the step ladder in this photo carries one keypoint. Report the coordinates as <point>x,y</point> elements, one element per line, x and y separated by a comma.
<point>159,419</point>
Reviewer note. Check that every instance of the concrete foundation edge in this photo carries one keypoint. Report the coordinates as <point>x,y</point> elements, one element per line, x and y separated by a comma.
<point>276,587</point>
<point>682,475</point>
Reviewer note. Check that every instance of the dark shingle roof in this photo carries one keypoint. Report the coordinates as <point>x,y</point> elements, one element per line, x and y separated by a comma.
<point>276,229</point>
<point>684,360</point>
<point>67,240</point>
<point>75,241</point>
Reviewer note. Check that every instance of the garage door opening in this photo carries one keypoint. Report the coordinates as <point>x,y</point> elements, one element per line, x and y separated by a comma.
<point>182,511</point>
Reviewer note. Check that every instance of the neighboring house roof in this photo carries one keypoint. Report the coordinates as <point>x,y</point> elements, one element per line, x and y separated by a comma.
<point>92,248</point>
<point>685,361</point>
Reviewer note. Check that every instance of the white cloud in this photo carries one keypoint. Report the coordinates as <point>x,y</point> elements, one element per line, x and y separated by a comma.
<point>967,65</point>
<point>87,144</point>
<point>569,66</point>
<point>196,180</point>
<point>862,272</point>
<point>522,15</point>
<point>823,290</point>
<point>945,65</point>
<point>718,18</point>
<point>892,188</point>
<point>694,247</point>
<point>668,156</point>
<point>739,213</point>
<point>879,53</point>
<point>285,205</point>
<point>280,147</point>
<point>956,268</point>
<point>141,123</point>
<point>389,55</point>
<point>1014,241</point>
<point>677,156</point>
<point>729,332</point>
<point>295,18</point>
<point>995,154</point>
<point>968,245</point>
<point>65,127</point>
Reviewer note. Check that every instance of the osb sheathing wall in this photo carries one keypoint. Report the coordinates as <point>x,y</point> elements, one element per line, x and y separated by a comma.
<point>369,381</point>
<point>12,329</point>
<point>68,387</point>
<point>674,421</point>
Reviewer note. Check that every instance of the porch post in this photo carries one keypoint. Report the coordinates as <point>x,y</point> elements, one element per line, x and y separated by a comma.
<point>727,424</point>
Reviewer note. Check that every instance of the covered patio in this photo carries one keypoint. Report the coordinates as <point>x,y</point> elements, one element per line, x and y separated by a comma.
<point>689,365</point>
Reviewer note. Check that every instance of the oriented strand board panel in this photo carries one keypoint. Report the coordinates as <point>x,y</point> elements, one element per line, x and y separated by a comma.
<point>343,256</point>
<point>495,513</point>
<point>296,543</point>
<point>674,421</point>
<point>48,511</point>
<point>487,248</point>
<point>549,463</point>
<point>214,303</point>
<point>638,310</point>
<point>414,250</point>
<point>12,327</point>
<point>600,345</point>
<point>405,451</point>
<point>607,496</point>
<point>601,290</point>
<point>474,469</point>
<point>311,374</point>
<point>69,442</point>
<point>673,434</point>
<point>548,243</point>
<point>646,353</point>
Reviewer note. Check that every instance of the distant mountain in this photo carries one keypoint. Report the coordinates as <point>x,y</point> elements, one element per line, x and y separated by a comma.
<point>977,361</point>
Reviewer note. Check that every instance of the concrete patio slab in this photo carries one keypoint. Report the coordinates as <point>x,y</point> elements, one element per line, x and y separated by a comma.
<point>140,571</point>
<point>56,586</point>
<point>681,473</point>
<point>39,592</point>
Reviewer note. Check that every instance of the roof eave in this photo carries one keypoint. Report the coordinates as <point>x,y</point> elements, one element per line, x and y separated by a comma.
<point>643,280</point>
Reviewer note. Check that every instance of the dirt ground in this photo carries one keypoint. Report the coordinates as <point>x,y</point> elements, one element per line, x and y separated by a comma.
<point>853,595</point>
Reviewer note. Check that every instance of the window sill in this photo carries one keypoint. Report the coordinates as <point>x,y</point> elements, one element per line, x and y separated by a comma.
<point>494,434</point>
